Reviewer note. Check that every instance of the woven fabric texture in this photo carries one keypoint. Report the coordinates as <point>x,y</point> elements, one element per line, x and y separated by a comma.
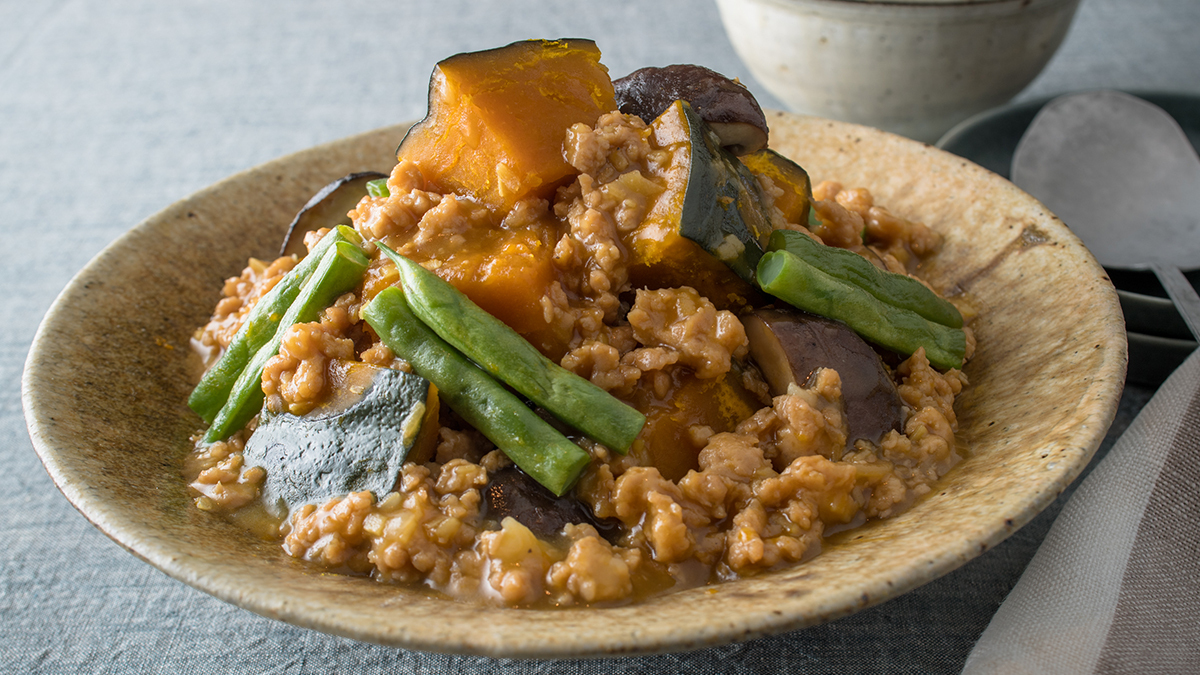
<point>1114,588</point>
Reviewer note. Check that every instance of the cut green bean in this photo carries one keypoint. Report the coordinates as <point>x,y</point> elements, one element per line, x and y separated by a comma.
<point>259,327</point>
<point>791,279</point>
<point>535,446</point>
<point>893,289</point>
<point>501,351</point>
<point>378,188</point>
<point>340,269</point>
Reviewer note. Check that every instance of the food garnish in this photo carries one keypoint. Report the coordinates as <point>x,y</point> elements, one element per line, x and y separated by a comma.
<point>898,290</point>
<point>378,188</point>
<point>817,279</point>
<point>341,268</point>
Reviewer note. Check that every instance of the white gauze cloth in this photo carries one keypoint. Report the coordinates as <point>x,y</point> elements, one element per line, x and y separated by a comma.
<point>1115,587</point>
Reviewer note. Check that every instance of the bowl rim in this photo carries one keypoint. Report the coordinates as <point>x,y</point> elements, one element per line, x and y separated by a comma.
<point>986,7</point>
<point>221,582</point>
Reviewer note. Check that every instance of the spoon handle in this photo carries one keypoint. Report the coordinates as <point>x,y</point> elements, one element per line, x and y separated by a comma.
<point>1181,293</point>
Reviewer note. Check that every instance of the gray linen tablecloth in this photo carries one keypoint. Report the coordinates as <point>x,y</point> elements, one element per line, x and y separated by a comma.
<point>110,111</point>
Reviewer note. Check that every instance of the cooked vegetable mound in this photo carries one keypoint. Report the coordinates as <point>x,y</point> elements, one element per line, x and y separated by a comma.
<point>567,355</point>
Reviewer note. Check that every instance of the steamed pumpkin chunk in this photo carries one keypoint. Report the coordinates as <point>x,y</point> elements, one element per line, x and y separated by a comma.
<point>704,229</point>
<point>480,137</point>
<point>504,264</point>
<point>679,424</point>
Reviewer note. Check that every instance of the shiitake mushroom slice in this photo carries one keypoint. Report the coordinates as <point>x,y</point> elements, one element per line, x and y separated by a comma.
<point>510,492</point>
<point>728,107</point>
<point>789,346</point>
<point>327,208</point>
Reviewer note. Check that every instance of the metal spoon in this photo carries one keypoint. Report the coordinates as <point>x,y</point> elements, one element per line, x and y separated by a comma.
<point>1123,176</point>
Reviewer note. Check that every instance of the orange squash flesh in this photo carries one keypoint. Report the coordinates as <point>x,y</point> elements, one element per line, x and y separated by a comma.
<point>796,197</point>
<point>510,283</point>
<point>674,261</point>
<point>478,138</point>
<point>665,443</point>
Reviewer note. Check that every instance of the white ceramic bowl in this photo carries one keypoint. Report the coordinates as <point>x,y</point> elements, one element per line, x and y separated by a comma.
<point>913,68</point>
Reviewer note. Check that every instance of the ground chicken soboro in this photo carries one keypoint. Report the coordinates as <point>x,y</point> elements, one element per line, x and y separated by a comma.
<point>761,480</point>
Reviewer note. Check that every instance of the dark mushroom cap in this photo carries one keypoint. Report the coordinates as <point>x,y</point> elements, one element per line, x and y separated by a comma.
<point>512,493</point>
<point>727,106</point>
<point>790,346</point>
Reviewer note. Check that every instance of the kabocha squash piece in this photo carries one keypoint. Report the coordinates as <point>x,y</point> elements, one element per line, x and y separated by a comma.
<point>666,442</point>
<point>497,118</point>
<point>796,200</point>
<point>357,440</point>
<point>707,228</point>
<point>728,107</point>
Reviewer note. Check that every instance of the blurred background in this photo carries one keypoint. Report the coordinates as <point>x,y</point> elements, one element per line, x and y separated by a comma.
<point>110,111</point>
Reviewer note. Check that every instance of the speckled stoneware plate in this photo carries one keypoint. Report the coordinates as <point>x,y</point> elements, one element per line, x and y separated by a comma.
<point>106,381</point>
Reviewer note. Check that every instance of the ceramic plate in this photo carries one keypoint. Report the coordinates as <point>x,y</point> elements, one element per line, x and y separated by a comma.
<point>105,385</point>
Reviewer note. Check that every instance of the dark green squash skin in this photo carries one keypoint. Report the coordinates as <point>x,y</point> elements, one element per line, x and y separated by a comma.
<point>722,205</point>
<point>328,453</point>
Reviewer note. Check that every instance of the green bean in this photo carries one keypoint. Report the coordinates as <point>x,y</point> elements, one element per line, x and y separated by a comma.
<point>378,188</point>
<point>535,446</point>
<point>793,280</point>
<point>259,327</point>
<point>507,356</point>
<point>894,289</point>
<point>340,269</point>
